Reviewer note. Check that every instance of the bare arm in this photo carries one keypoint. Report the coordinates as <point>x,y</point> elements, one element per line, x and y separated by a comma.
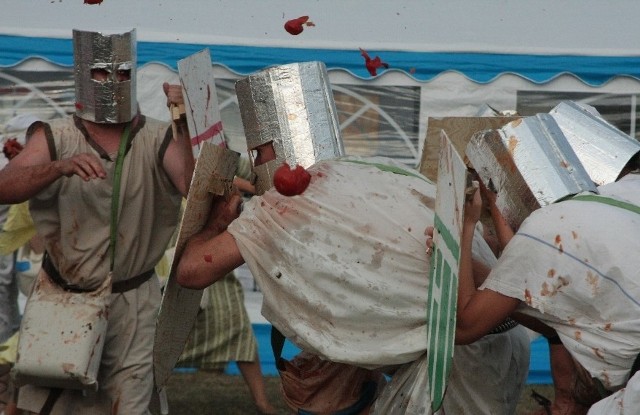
<point>211,253</point>
<point>244,185</point>
<point>504,233</point>
<point>478,312</point>
<point>178,160</point>
<point>31,171</point>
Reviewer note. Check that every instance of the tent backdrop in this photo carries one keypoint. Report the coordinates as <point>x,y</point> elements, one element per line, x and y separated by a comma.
<point>446,58</point>
<point>452,58</point>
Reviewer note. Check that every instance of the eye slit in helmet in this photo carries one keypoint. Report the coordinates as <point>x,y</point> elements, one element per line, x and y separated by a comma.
<point>123,72</point>
<point>263,153</point>
<point>100,74</point>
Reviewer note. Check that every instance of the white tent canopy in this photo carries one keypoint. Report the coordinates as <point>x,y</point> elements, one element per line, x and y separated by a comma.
<point>445,58</point>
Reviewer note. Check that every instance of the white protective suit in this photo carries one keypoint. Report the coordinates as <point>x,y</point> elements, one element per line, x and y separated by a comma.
<point>626,401</point>
<point>574,264</point>
<point>344,272</point>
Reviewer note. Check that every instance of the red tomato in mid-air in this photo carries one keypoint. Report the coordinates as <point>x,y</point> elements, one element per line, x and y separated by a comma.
<point>291,182</point>
<point>296,26</point>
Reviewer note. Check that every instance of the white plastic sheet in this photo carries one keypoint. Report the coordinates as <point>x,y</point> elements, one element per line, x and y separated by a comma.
<point>343,267</point>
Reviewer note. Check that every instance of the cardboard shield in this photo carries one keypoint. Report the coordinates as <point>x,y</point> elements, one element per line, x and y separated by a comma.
<point>451,187</point>
<point>214,171</point>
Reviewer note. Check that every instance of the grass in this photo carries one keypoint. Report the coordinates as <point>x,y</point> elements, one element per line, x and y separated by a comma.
<point>204,393</point>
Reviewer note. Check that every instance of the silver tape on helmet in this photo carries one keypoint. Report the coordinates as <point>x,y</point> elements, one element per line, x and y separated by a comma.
<point>529,163</point>
<point>112,100</point>
<point>290,107</point>
<point>602,148</point>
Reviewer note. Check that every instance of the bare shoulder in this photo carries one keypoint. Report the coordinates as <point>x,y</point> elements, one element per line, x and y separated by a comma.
<point>36,150</point>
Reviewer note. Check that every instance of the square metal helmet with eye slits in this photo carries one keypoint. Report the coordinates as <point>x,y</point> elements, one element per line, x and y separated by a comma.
<point>291,108</point>
<point>112,100</point>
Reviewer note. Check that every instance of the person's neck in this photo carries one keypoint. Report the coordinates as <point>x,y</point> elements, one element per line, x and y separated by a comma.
<point>106,136</point>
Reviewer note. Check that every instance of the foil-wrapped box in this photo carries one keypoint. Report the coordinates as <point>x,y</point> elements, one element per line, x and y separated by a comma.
<point>292,107</point>
<point>529,163</point>
<point>602,148</point>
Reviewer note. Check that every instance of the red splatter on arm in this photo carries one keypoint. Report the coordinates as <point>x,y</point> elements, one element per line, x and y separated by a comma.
<point>373,64</point>
<point>296,26</point>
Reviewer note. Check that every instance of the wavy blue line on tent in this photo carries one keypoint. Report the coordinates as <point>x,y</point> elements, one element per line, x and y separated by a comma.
<point>422,66</point>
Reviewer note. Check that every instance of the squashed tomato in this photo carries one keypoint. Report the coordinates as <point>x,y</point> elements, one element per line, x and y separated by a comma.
<point>291,182</point>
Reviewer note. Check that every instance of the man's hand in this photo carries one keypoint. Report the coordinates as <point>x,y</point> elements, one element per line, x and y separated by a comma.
<point>87,166</point>
<point>473,208</point>
<point>173,93</point>
<point>224,210</point>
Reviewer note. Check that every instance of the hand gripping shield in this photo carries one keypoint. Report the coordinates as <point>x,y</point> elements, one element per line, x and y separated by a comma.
<point>291,109</point>
<point>112,100</point>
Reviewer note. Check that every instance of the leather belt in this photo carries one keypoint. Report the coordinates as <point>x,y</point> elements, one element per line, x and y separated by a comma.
<point>116,287</point>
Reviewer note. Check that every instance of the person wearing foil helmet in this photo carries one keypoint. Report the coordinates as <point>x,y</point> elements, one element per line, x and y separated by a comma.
<point>570,273</point>
<point>66,172</point>
<point>341,265</point>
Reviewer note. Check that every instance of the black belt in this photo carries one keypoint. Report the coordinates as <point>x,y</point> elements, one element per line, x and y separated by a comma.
<point>116,287</point>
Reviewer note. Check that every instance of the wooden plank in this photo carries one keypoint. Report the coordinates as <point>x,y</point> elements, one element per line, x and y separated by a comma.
<point>452,183</point>
<point>213,174</point>
<point>201,100</point>
<point>459,130</point>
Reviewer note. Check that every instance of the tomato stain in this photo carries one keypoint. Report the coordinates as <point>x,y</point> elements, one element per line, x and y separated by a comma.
<point>598,352</point>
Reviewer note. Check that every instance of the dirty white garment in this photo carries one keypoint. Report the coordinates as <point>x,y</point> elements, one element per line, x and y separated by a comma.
<point>574,264</point>
<point>626,401</point>
<point>487,376</point>
<point>343,267</point>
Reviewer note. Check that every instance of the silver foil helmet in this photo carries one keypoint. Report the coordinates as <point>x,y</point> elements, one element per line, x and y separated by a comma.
<point>602,148</point>
<point>112,100</point>
<point>291,109</point>
<point>529,163</point>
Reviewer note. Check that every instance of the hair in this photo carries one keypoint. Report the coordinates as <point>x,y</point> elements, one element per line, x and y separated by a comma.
<point>632,165</point>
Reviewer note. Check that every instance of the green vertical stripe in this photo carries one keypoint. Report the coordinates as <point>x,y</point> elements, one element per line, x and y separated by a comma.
<point>449,241</point>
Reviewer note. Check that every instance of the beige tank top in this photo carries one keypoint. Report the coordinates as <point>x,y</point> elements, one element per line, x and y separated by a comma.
<point>74,215</point>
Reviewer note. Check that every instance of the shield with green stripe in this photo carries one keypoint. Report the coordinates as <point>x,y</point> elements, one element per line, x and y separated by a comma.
<point>443,276</point>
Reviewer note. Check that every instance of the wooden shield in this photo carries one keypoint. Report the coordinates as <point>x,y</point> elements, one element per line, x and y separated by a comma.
<point>201,100</point>
<point>443,287</point>
<point>213,174</point>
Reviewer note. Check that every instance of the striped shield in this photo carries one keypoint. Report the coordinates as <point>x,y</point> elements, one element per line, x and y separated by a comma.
<point>443,287</point>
